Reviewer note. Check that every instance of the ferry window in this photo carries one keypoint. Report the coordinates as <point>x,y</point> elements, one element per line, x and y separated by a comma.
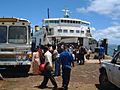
<point>88,31</point>
<point>65,30</point>
<point>3,34</point>
<point>60,30</point>
<point>62,21</point>
<point>82,32</point>
<point>56,21</point>
<point>67,21</point>
<point>50,31</point>
<point>77,31</point>
<point>71,31</point>
<point>52,21</point>
<point>17,34</point>
<point>49,22</point>
<point>46,21</point>
<point>84,23</point>
<point>73,21</point>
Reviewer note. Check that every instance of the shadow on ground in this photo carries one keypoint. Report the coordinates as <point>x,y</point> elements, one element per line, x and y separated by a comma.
<point>14,75</point>
<point>51,88</point>
<point>107,88</point>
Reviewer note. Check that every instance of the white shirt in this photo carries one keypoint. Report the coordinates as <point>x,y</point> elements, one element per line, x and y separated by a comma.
<point>55,54</point>
<point>48,57</point>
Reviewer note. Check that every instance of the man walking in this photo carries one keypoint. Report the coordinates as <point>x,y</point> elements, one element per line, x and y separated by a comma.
<point>48,69</point>
<point>101,53</point>
<point>66,60</point>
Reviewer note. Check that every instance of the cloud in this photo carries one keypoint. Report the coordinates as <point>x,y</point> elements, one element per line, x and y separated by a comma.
<point>110,8</point>
<point>111,33</point>
<point>115,22</point>
<point>104,7</point>
<point>82,10</point>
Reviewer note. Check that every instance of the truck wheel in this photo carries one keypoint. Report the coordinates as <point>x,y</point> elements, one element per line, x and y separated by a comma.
<point>103,79</point>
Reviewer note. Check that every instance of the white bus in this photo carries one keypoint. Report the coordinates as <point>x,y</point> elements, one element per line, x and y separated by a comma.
<point>15,45</point>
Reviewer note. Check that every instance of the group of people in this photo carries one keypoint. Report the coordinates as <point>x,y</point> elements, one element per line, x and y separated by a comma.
<point>80,55</point>
<point>52,57</point>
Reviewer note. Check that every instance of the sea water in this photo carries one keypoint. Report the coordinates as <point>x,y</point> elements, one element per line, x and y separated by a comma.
<point>111,48</point>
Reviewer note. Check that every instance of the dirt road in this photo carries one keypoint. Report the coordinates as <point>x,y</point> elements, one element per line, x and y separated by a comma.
<point>83,77</point>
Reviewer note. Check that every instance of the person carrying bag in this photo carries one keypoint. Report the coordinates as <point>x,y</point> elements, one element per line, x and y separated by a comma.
<point>48,69</point>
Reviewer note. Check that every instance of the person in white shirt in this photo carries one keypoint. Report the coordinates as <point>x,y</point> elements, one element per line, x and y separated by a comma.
<point>48,69</point>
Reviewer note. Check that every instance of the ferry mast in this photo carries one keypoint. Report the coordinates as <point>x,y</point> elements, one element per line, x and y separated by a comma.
<point>66,13</point>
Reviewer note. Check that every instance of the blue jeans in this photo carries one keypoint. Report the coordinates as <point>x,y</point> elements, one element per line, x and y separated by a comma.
<point>57,67</point>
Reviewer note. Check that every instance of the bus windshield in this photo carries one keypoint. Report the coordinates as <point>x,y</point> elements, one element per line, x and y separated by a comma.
<point>3,34</point>
<point>17,34</point>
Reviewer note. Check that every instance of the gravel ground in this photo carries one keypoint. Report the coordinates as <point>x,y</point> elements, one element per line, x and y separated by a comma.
<point>83,77</point>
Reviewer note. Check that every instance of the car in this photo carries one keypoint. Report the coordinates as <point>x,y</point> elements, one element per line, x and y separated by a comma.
<point>110,72</point>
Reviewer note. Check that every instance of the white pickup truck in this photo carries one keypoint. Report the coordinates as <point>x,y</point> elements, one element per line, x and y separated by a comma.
<point>110,72</point>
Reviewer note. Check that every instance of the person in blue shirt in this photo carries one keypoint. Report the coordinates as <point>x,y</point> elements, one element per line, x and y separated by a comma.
<point>101,53</point>
<point>66,60</point>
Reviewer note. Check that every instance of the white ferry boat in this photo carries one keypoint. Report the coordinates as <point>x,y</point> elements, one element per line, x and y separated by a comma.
<point>69,30</point>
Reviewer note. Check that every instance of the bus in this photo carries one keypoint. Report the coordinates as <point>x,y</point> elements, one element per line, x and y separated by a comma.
<point>15,45</point>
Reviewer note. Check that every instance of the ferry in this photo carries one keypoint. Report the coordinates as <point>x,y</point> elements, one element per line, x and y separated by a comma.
<point>69,30</point>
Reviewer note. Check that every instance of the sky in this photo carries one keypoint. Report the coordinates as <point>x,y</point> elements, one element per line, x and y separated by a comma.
<point>104,15</point>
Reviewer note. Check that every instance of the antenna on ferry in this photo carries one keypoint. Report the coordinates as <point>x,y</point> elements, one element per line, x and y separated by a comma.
<point>48,13</point>
<point>66,13</point>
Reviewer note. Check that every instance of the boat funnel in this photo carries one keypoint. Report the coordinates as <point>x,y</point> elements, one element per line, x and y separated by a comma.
<point>37,28</point>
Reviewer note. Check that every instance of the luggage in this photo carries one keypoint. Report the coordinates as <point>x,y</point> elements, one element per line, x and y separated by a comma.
<point>42,67</point>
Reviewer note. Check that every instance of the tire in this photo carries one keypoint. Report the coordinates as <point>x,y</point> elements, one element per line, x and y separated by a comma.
<point>103,79</point>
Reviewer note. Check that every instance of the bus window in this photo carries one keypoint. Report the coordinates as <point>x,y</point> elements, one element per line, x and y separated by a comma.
<point>3,34</point>
<point>17,34</point>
